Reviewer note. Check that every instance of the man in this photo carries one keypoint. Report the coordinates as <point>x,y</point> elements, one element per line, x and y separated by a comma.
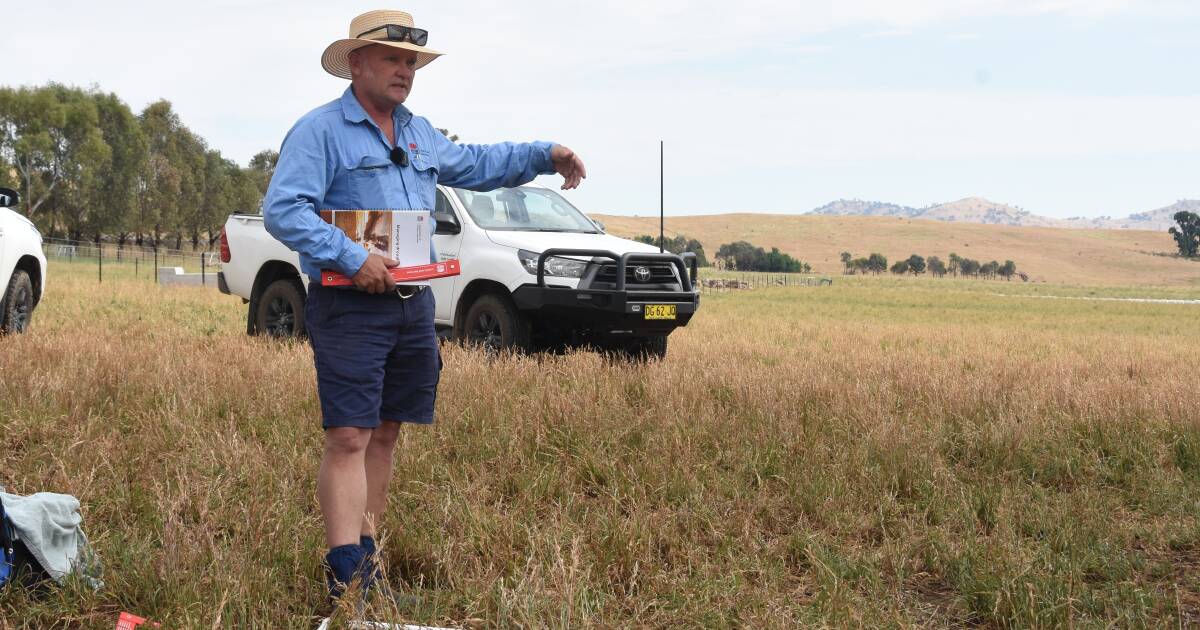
<point>375,349</point>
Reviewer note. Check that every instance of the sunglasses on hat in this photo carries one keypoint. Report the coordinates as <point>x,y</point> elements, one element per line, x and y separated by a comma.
<point>399,33</point>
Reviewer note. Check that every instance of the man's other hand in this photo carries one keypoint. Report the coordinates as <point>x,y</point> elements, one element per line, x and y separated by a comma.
<point>568,164</point>
<point>373,276</point>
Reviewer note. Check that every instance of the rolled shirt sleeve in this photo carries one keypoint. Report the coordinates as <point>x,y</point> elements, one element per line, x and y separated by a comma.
<point>290,209</point>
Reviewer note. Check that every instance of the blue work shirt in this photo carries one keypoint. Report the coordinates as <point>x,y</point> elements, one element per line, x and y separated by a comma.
<point>337,158</point>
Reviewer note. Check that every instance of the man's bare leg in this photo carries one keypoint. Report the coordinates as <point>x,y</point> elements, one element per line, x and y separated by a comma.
<point>342,484</point>
<point>378,463</point>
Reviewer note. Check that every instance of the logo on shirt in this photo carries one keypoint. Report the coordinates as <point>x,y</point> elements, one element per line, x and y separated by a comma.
<point>417,153</point>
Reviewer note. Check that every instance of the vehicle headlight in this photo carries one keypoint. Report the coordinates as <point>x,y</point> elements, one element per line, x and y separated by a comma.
<point>555,266</point>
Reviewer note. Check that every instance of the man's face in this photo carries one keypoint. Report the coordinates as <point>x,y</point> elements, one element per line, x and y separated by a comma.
<point>383,74</point>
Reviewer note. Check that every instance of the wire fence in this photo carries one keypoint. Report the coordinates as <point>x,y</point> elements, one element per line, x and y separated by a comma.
<point>111,260</point>
<point>130,260</point>
<point>714,281</point>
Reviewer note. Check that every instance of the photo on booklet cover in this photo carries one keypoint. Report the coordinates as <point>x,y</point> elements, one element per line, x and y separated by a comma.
<point>370,228</point>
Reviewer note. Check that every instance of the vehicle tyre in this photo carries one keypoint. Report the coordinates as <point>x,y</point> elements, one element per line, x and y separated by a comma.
<point>494,323</point>
<point>644,349</point>
<point>280,309</point>
<point>17,304</point>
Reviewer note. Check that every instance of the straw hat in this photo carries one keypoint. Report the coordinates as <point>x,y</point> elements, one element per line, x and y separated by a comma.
<point>336,60</point>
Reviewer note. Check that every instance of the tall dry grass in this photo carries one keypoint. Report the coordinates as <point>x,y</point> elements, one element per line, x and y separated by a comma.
<point>871,454</point>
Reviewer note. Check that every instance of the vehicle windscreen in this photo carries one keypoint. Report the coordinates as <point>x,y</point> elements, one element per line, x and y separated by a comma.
<point>524,209</point>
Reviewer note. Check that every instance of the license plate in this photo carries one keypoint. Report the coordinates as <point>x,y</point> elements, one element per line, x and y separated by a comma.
<point>660,311</point>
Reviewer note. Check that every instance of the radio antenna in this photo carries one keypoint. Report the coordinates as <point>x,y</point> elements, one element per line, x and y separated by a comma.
<point>661,211</point>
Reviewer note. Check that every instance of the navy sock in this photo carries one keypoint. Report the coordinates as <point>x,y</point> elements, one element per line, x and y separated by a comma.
<point>368,543</point>
<point>345,562</point>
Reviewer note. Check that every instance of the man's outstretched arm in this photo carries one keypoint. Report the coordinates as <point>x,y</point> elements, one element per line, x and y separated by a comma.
<point>505,164</point>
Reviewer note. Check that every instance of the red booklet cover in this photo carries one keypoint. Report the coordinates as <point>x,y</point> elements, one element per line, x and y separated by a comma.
<point>399,274</point>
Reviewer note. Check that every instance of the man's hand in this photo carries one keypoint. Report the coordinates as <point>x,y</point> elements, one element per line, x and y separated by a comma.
<point>373,276</point>
<point>568,164</point>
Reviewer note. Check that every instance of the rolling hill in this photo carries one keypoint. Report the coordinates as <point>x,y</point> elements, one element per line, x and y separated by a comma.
<point>1160,219</point>
<point>980,210</point>
<point>1065,255</point>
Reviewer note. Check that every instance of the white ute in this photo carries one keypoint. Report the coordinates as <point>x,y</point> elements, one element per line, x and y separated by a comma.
<point>22,266</point>
<point>536,274</point>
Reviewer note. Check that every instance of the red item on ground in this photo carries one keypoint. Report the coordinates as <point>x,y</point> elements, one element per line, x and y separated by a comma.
<point>129,621</point>
<point>399,274</point>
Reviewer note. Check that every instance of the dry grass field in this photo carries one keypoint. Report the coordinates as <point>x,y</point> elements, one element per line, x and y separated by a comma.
<point>882,452</point>
<point>1091,257</point>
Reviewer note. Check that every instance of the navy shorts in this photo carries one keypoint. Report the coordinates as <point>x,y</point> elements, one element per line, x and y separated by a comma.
<point>377,356</point>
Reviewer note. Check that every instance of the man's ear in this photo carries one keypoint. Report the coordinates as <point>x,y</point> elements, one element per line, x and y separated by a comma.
<point>354,59</point>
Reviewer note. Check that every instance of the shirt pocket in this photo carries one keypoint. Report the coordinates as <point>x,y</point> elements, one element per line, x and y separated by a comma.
<point>426,175</point>
<point>369,184</point>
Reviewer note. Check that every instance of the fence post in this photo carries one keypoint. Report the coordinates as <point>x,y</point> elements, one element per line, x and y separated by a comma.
<point>155,265</point>
<point>202,280</point>
<point>135,267</point>
<point>100,264</point>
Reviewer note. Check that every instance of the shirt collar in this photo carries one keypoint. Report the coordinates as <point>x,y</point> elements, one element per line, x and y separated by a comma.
<point>354,112</point>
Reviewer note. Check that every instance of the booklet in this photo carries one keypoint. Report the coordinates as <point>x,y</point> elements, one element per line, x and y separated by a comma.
<point>402,235</point>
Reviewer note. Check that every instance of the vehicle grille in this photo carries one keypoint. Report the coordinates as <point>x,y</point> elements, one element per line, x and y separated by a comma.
<point>660,273</point>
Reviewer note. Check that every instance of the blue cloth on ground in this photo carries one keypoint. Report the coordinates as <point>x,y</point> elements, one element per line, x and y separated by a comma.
<point>49,525</point>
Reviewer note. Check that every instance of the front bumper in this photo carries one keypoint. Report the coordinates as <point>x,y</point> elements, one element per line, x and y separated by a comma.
<point>609,311</point>
<point>605,311</point>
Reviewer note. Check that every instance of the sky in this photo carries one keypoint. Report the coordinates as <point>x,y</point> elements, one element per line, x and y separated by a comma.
<point>1060,107</point>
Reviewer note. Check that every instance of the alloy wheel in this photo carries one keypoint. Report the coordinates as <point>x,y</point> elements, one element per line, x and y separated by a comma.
<point>280,318</point>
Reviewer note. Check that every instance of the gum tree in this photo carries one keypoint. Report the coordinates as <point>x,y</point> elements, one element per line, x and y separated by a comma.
<point>1187,233</point>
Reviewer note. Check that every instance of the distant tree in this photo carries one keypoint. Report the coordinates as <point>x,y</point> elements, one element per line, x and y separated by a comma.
<point>8,174</point>
<point>1187,234</point>
<point>677,245</point>
<point>860,265</point>
<point>168,190</point>
<point>988,270</point>
<point>218,199</point>
<point>75,202</point>
<point>877,263</point>
<point>900,268</point>
<point>746,257</point>
<point>114,208</point>
<point>1007,270</point>
<point>245,192</point>
<point>968,266</point>
<point>696,248</point>
<point>742,255</point>
<point>916,264</point>
<point>936,266</point>
<point>955,263</point>
<point>777,261</point>
<point>847,258</point>
<point>261,170</point>
<point>52,136</point>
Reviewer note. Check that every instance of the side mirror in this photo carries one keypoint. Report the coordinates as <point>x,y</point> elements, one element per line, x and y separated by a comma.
<point>447,223</point>
<point>598,224</point>
<point>9,198</point>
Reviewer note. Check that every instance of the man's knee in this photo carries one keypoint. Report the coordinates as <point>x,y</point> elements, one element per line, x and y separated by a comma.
<point>385,435</point>
<point>346,440</point>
